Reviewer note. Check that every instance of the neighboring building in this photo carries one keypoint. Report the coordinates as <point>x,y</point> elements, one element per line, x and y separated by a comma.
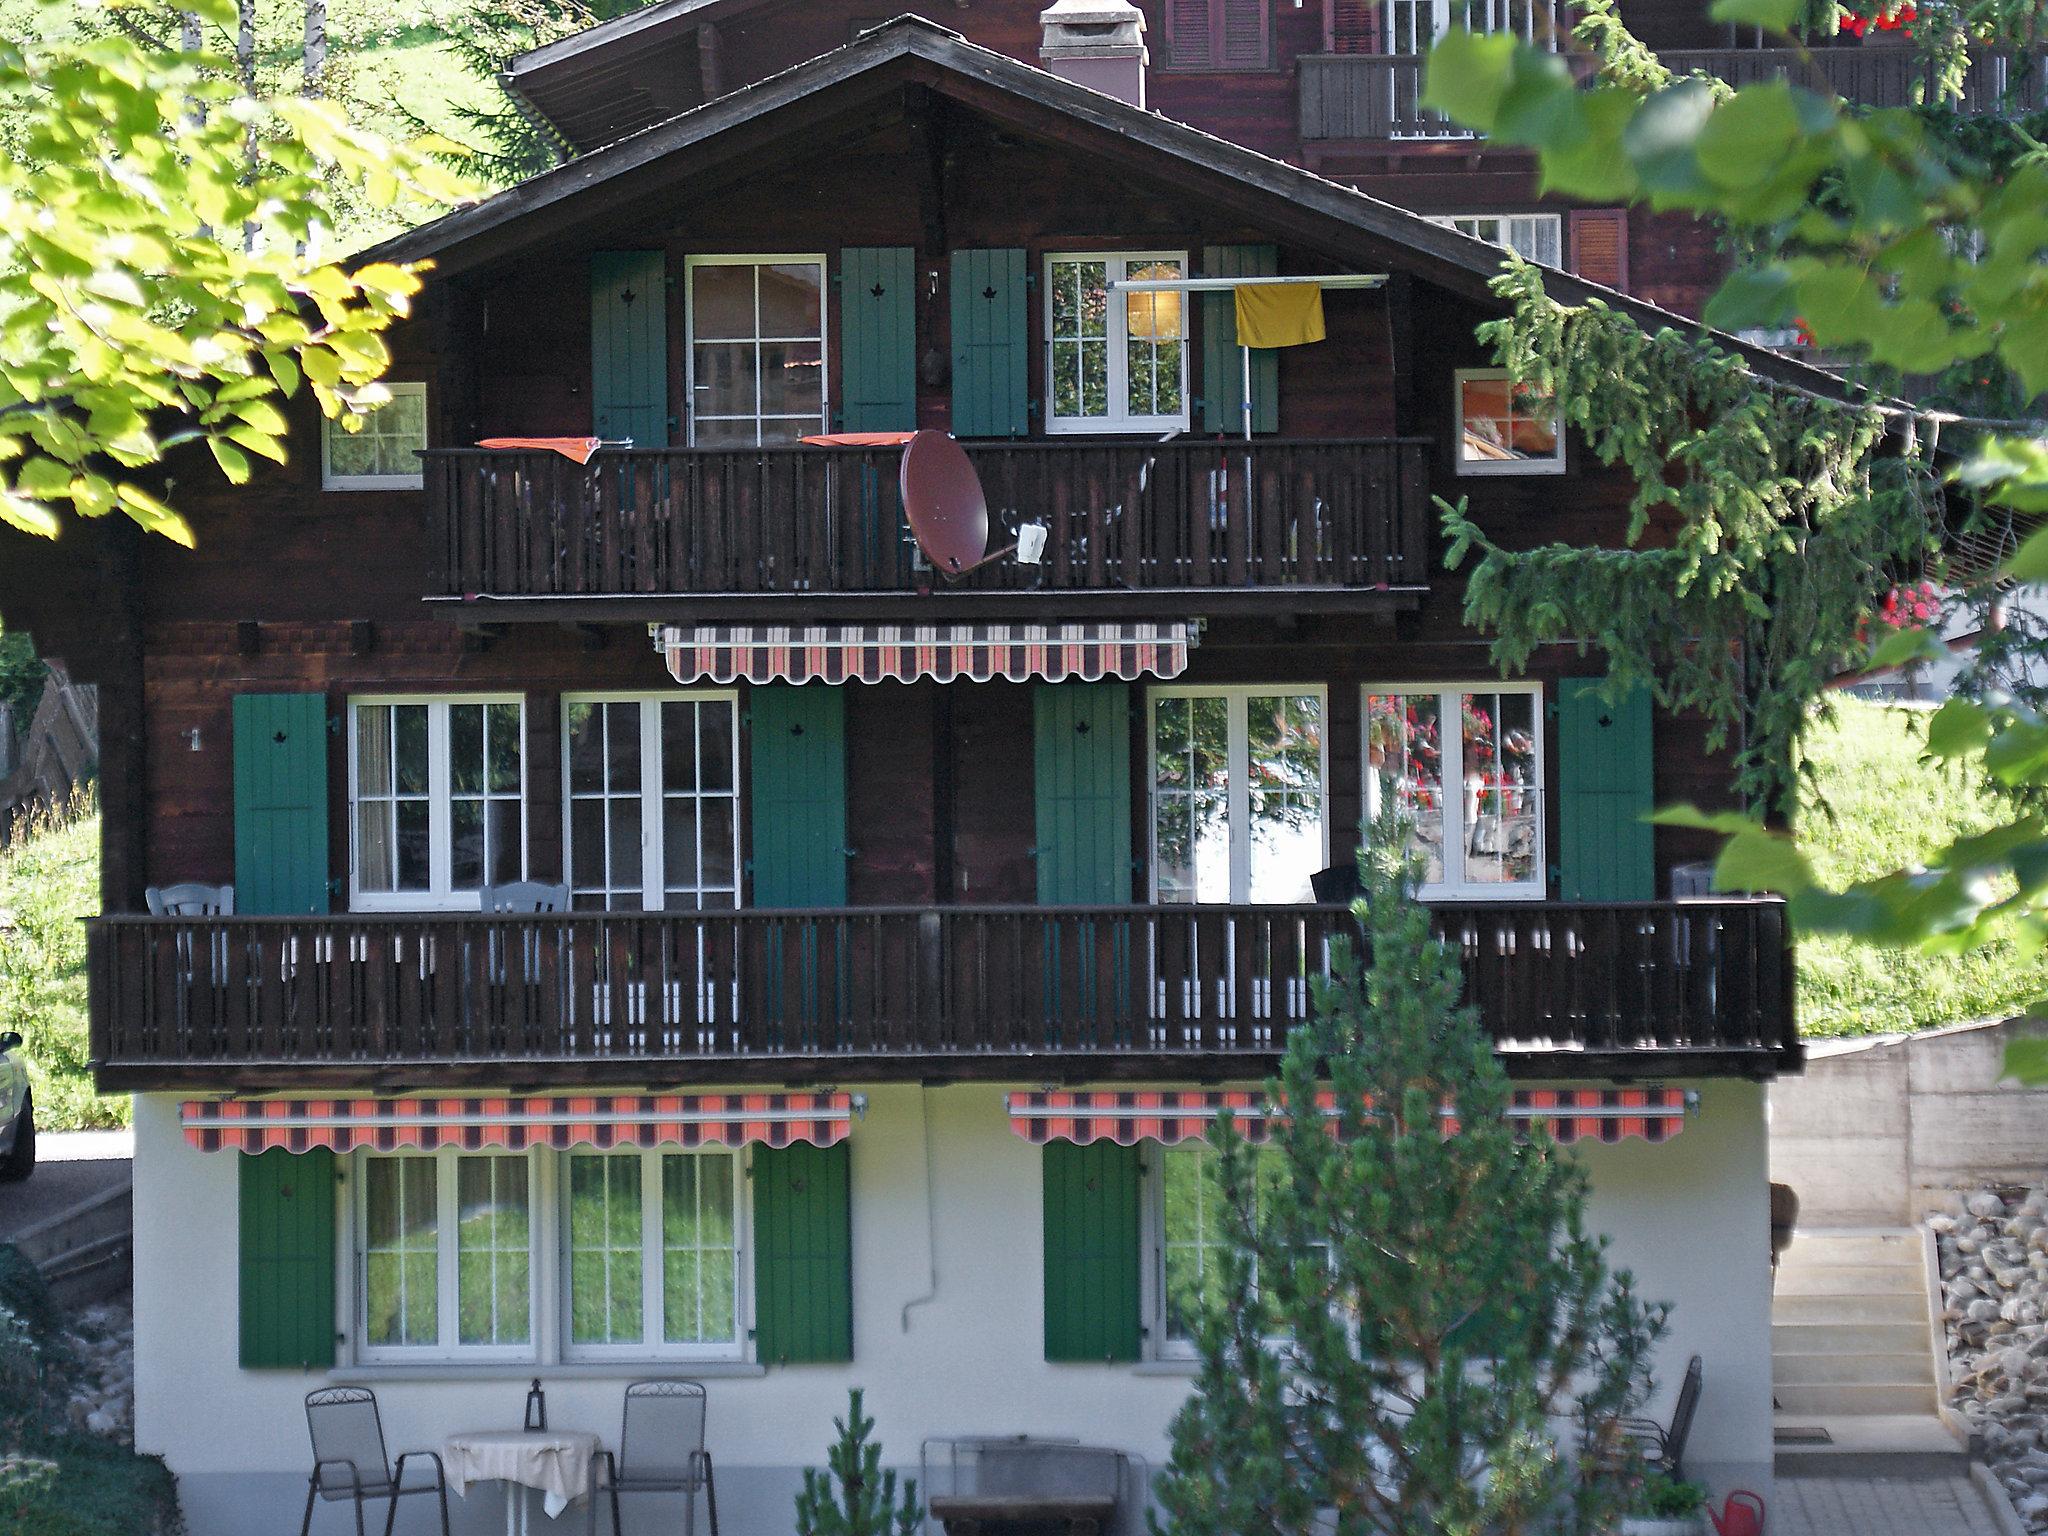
<point>766,1109</point>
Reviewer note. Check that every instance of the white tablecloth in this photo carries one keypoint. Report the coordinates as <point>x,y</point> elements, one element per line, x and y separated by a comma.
<point>556,1461</point>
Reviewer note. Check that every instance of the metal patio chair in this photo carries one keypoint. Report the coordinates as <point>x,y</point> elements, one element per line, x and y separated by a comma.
<point>661,1450</point>
<point>524,896</point>
<point>1659,1447</point>
<point>350,1462</point>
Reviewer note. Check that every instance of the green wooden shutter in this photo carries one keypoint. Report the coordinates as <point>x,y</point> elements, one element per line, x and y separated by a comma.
<point>1605,788</point>
<point>287,1258</point>
<point>280,803</point>
<point>991,338</point>
<point>1222,361</point>
<point>797,799</point>
<point>1091,1251</point>
<point>803,1254</point>
<point>1082,779</point>
<point>878,338</point>
<point>629,346</point>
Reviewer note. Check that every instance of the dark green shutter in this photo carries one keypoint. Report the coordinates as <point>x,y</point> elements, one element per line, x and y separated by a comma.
<point>991,338</point>
<point>878,338</point>
<point>280,803</point>
<point>797,801</point>
<point>1091,1251</point>
<point>1222,361</point>
<point>629,346</point>
<point>1082,778</point>
<point>803,1254</point>
<point>1605,776</point>
<point>287,1258</point>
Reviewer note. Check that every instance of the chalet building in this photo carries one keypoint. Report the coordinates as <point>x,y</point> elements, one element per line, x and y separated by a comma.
<point>1333,85</point>
<point>911,926</point>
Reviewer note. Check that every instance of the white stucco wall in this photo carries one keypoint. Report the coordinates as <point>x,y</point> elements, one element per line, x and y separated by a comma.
<point>1689,1217</point>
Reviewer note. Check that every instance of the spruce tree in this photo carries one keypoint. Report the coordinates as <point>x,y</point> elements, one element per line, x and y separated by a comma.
<point>1409,1306</point>
<point>854,1496</point>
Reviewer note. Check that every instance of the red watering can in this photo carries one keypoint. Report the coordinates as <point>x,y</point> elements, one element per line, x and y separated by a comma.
<point>1742,1515</point>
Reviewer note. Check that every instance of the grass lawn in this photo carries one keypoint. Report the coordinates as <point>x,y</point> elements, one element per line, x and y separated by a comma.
<point>1889,810</point>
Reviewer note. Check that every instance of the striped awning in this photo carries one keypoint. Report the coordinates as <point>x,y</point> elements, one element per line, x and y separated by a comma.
<point>613,1120</point>
<point>901,653</point>
<point>1173,1115</point>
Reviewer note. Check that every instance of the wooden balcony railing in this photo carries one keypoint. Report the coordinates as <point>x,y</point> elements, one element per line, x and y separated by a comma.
<point>1120,517</point>
<point>934,992</point>
<point>1378,96</point>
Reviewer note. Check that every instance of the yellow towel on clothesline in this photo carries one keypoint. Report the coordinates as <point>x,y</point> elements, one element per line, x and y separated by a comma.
<point>1279,314</point>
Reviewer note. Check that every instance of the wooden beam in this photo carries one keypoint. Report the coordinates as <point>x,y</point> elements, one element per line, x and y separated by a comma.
<point>710,66</point>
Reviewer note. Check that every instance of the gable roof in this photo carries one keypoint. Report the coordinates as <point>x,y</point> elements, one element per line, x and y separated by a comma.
<point>1284,200</point>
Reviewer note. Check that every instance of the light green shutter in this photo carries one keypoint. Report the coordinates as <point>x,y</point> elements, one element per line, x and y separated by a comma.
<point>878,338</point>
<point>280,803</point>
<point>287,1258</point>
<point>797,799</point>
<point>991,339</point>
<point>629,346</point>
<point>1082,778</point>
<point>1605,786</point>
<point>1091,1251</point>
<point>1222,361</point>
<point>803,1254</point>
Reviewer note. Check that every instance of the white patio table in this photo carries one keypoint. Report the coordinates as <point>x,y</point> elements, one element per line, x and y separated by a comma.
<point>556,1461</point>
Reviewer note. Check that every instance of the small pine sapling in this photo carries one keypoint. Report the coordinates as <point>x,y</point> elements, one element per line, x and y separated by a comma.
<point>854,1496</point>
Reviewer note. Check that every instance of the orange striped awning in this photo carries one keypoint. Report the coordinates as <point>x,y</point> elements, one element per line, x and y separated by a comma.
<point>1168,1116</point>
<point>902,653</point>
<point>598,1120</point>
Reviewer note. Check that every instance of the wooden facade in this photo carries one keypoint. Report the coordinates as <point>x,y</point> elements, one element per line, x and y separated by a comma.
<point>918,143</point>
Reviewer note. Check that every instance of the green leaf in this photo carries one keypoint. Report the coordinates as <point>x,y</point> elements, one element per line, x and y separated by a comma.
<point>1752,297</point>
<point>2026,1060</point>
<point>2030,560</point>
<point>1468,75</point>
<point>1746,137</point>
<point>1757,860</point>
<point>1771,15</point>
<point>233,462</point>
<point>1958,728</point>
<point>1902,646</point>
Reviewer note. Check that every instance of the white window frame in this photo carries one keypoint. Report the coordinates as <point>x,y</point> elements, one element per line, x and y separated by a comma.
<point>1238,739</point>
<point>653,825</point>
<point>653,1321</point>
<point>439,895</point>
<point>447,1348</point>
<point>1115,265</point>
<point>1554,465</point>
<point>407,481</point>
<point>1454,887</point>
<point>824,338</point>
<point>1552,222</point>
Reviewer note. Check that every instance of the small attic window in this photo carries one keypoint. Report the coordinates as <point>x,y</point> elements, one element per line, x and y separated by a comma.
<point>383,455</point>
<point>1505,428</point>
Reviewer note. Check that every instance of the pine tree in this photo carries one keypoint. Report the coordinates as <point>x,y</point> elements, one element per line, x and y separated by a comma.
<point>1406,1307</point>
<point>864,1502</point>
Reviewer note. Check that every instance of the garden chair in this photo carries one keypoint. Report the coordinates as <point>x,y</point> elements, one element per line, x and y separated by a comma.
<point>190,899</point>
<point>350,1462</point>
<point>193,899</point>
<point>1658,1447</point>
<point>661,1450</point>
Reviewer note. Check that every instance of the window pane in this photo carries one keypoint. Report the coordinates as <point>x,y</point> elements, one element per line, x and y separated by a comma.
<point>721,302</point>
<point>792,299</point>
<point>409,723</point>
<point>466,844</point>
<point>586,748</point>
<point>1192,1231</point>
<point>1191,815</point>
<point>717,871</point>
<point>792,379</point>
<point>350,453</point>
<point>742,433</point>
<point>466,749</point>
<point>373,750</point>
<point>625,845</point>
<point>622,746</point>
<point>679,842</point>
<point>491,1247</point>
<point>604,1249</point>
<point>503,842</point>
<point>400,1252</point>
<point>1285,780</point>
<point>698,1260</point>
<point>1404,759</point>
<point>714,752</point>
<point>1501,809</point>
<point>505,749</point>
<point>374,868</point>
<point>724,379</point>
<point>586,837</point>
<point>413,868</point>
<point>678,745</point>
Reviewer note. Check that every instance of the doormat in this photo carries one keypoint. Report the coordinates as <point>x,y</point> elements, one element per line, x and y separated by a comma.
<point>1801,1434</point>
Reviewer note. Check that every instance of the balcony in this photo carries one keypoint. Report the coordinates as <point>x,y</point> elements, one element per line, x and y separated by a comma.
<point>1003,993</point>
<point>1329,524</point>
<point>1378,96</point>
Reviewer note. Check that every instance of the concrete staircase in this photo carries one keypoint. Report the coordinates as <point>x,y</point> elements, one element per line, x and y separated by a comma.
<point>1849,1331</point>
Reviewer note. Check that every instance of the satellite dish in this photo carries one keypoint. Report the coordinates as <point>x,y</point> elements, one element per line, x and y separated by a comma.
<point>943,500</point>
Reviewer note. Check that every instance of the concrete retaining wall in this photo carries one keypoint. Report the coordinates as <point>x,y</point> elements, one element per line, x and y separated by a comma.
<point>1876,1131</point>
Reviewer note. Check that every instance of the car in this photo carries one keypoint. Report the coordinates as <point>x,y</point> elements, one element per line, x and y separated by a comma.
<point>17,1112</point>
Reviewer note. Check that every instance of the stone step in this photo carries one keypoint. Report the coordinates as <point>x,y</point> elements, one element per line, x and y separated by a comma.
<point>1833,1337</point>
<point>1880,1248</point>
<point>1851,1280</point>
<point>1902,1368</point>
<point>1895,1308</point>
<point>1852,1398</point>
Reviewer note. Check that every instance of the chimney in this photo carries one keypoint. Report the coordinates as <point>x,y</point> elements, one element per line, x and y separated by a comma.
<point>1097,43</point>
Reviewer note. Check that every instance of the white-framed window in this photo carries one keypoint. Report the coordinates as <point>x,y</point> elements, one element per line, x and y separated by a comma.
<point>1115,362</point>
<point>1187,1236</point>
<point>382,455</point>
<point>1505,428</point>
<point>444,1255</point>
<point>1537,237</point>
<point>757,348</point>
<point>1462,764</point>
<point>1239,792</point>
<point>651,1255</point>
<point>653,801</point>
<point>1413,25</point>
<point>437,799</point>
